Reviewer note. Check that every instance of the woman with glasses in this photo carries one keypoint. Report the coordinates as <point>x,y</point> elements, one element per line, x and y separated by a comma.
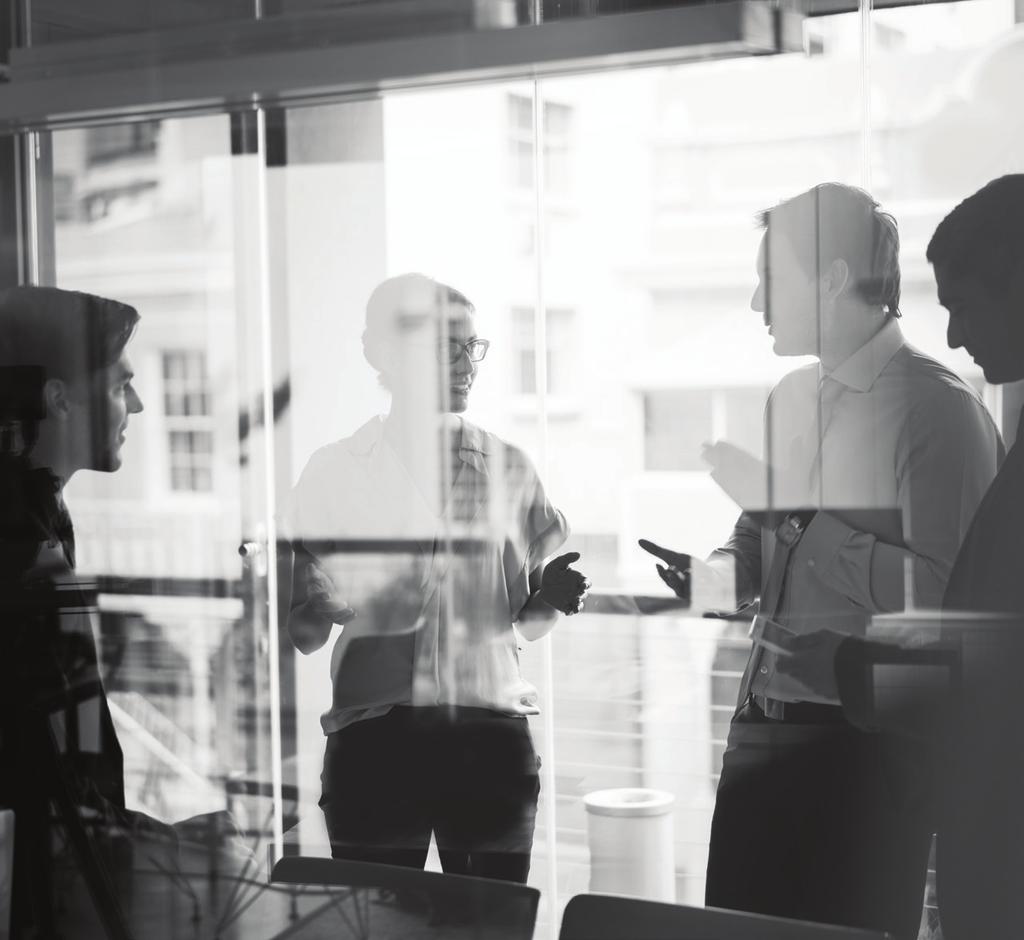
<point>426,537</point>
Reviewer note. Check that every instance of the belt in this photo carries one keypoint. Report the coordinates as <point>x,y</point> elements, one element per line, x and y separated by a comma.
<point>801,713</point>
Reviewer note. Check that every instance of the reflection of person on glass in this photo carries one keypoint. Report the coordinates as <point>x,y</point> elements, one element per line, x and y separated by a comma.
<point>85,865</point>
<point>65,405</point>
<point>426,537</point>
<point>878,456</point>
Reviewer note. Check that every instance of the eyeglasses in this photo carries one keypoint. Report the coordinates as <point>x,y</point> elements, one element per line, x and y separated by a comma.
<point>476,349</point>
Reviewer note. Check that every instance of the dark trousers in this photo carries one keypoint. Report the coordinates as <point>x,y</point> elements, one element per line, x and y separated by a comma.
<point>820,821</point>
<point>469,775</point>
<point>980,846</point>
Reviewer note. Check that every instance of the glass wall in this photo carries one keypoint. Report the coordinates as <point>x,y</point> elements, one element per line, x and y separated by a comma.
<point>603,227</point>
<point>159,215</point>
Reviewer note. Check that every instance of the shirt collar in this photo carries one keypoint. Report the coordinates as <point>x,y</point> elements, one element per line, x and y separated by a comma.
<point>860,370</point>
<point>473,441</point>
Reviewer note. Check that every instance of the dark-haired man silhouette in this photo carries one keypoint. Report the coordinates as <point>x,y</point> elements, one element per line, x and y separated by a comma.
<point>66,398</point>
<point>977,253</point>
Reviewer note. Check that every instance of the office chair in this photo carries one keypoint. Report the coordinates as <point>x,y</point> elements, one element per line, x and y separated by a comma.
<point>606,917</point>
<point>385,902</point>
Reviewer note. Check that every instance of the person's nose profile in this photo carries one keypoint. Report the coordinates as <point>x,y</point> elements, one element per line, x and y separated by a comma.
<point>757,299</point>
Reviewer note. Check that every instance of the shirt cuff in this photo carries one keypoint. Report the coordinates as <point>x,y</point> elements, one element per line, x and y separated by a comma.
<point>547,542</point>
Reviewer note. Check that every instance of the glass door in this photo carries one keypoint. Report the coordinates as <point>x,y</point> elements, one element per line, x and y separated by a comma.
<point>168,216</point>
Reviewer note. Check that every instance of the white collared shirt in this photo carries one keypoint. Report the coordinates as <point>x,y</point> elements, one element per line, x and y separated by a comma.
<point>436,590</point>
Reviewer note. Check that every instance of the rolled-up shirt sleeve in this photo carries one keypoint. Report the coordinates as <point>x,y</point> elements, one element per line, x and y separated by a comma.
<point>544,528</point>
<point>539,530</point>
<point>947,454</point>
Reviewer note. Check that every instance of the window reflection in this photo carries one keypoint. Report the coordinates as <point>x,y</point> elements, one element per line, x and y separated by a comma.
<point>188,410</point>
<point>560,340</point>
<point>146,214</point>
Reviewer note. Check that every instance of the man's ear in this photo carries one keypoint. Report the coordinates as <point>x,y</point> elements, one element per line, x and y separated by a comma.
<point>58,402</point>
<point>836,278</point>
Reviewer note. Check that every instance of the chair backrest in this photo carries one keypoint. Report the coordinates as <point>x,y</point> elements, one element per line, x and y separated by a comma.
<point>605,917</point>
<point>394,903</point>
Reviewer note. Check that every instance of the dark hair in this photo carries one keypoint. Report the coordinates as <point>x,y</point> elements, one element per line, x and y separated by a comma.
<point>68,334</point>
<point>833,220</point>
<point>984,234</point>
<point>46,333</point>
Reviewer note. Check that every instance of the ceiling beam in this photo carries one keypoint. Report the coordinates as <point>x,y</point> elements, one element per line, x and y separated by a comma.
<point>253,66</point>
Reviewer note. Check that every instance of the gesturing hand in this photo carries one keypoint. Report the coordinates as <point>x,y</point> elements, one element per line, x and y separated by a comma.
<point>562,587</point>
<point>754,485</point>
<point>676,572</point>
<point>741,475</point>
<point>322,597</point>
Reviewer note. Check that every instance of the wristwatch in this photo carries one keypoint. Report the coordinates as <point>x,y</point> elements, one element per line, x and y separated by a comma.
<point>792,527</point>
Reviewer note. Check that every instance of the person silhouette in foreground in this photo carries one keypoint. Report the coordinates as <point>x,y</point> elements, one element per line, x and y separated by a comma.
<point>876,457</point>
<point>969,717</point>
<point>85,865</point>
<point>427,539</point>
<point>66,397</point>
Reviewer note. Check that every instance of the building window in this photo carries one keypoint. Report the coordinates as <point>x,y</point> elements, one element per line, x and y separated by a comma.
<point>520,120</point>
<point>65,208</point>
<point>559,324</point>
<point>557,147</point>
<point>110,142</point>
<point>189,418</point>
<point>557,144</point>
<point>677,421</point>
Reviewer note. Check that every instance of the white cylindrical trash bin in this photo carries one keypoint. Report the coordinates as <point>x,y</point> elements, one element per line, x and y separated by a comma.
<point>632,848</point>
